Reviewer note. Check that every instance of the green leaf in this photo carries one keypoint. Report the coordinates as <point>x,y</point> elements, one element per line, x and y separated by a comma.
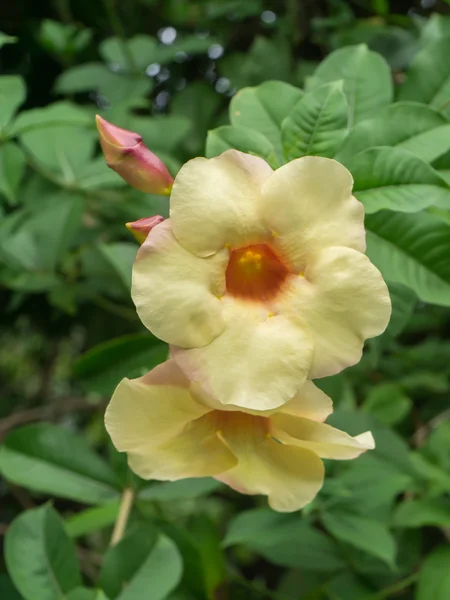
<point>52,460</point>
<point>12,167</point>
<point>389,446</point>
<point>59,113</point>
<point>264,108</point>
<point>12,94</point>
<point>428,78</point>
<point>366,76</point>
<point>276,537</point>
<point>143,560</point>
<point>243,139</point>
<point>434,577</point>
<point>347,586</point>
<point>167,491</point>
<point>116,87</point>
<point>92,519</point>
<point>7,589</point>
<point>366,534</point>
<point>40,557</point>
<point>63,150</point>
<point>391,178</point>
<point>7,39</point>
<point>403,304</point>
<point>121,257</point>
<point>141,48</point>
<point>83,593</point>
<point>101,368</point>
<point>317,124</point>
<point>388,403</point>
<point>407,125</point>
<point>420,513</point>
<point>164,132</point>
<point>412,249</point>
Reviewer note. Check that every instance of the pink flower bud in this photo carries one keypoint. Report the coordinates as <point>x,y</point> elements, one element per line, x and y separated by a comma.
<point>126,154</point>
<point>141,228</point>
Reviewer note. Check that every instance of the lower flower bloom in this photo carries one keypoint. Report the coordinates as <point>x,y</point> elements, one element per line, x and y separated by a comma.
<point>171,430</point>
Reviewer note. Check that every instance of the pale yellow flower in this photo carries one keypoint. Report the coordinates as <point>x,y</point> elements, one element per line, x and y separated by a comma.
<point>172,430</point>
<point>258,279</point>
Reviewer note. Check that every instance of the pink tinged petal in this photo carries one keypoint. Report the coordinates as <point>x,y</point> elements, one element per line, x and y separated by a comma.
<point>309,402</point>
<point>176,293</point>
<point>290,476</point>
<point>163,428</point>
<point>344,300</point>
<point>257,363</point>
<point>308,203</point>
<point>126,154</point>
<point>324,440</point>
<point>136,416</point>
<point>141,228</point>
<point>215,202</point>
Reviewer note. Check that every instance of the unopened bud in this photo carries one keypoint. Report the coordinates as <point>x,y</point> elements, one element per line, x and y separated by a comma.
<point>141,228</point>
<point>126,153</point>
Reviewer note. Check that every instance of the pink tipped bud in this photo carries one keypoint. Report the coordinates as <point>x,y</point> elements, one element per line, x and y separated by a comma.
<point>141,228</point>
<point>126,153</point>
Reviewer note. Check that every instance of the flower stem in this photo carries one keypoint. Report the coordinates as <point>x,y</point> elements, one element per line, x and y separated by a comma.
<point>126,503</point>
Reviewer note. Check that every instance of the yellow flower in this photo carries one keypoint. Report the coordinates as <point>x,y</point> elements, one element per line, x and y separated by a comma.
<point>172,430</point>
<point>258,279</point>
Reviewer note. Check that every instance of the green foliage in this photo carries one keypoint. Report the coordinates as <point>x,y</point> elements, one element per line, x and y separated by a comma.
<point>353,81</point>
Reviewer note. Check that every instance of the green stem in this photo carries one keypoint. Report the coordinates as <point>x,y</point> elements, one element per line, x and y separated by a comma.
<point>118,28</point>
<point>398,586</point>
<point>126,504</point>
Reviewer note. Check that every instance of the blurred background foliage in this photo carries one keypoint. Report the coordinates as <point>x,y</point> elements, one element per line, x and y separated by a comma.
<point>167,69</point>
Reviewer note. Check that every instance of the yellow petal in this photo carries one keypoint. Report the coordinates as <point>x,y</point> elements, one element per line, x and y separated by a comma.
<point>324,440</point>
<point>258,362</point>
<point>344,300</point>
<point>309,402</point>
<point>165,431</point>
<point>215,202</point>
<point>175,292</point>
<point>309,205</point>
<point>136,415</point>
<point>290,476</point>
<point>197,451</point>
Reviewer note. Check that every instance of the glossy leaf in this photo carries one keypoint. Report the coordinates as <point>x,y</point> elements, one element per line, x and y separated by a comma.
<point>391,178</point>
<point>12,94</point>
<point>52,460</point>
<point>428,78</point>
<point>411,126</point>
<point>317,124</point>
<point>263,108</point>
<point>412,249</point>
<point>12,168</point>
<point>366,76</point>
<point>40,557</point>
<point>101,368</point>
<point>366,534</point>
<point>434,577</point>
<point>276,537</point>
<point>143,560</point>
<point>246,140</point>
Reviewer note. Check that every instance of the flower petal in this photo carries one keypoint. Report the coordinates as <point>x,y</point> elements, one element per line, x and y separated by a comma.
<point>198,451</point>
<point>324,440</point>
<point>215,202</point>
<point>137,415</point>
<point>259,362</point>
<point>318,209</point>
<point>309,402</point>
<point>344,300</point>
<point>164,429</point>
<point>175,292</point>
<point>290,476</point>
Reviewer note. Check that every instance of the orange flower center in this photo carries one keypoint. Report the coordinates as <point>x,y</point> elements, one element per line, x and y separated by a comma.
<point>255,273</point>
